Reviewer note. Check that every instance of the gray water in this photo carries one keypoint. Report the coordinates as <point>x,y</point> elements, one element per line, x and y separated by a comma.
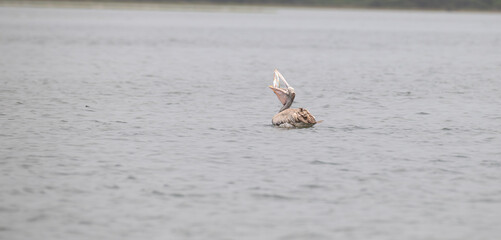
<point>125,124</point>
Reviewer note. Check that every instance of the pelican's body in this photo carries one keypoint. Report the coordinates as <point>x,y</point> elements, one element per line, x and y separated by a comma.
<point>287,117</point>
<point>294,117</point>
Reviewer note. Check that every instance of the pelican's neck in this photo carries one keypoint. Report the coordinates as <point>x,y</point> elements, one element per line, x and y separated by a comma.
<point>288,103</point>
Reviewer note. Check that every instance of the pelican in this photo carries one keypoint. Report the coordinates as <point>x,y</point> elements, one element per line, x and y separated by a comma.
<point>289,117</point>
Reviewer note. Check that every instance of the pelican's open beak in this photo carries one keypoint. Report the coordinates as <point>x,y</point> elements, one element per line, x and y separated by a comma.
<point>282,94</point>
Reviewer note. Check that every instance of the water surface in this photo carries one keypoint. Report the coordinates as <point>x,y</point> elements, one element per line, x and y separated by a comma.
<point>157,125</point>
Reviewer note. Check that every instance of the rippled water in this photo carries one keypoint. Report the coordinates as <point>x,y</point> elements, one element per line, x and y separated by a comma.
<point>157,125</point>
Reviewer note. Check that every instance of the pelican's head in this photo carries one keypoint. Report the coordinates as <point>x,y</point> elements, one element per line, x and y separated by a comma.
<point>285,95</point>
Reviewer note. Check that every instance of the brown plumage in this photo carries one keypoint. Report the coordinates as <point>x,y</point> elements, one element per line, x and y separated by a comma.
<point>295,117</point>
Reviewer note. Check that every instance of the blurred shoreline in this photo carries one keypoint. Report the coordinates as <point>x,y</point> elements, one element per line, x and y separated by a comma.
<point>129,5</point>
<point>211,5</point>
